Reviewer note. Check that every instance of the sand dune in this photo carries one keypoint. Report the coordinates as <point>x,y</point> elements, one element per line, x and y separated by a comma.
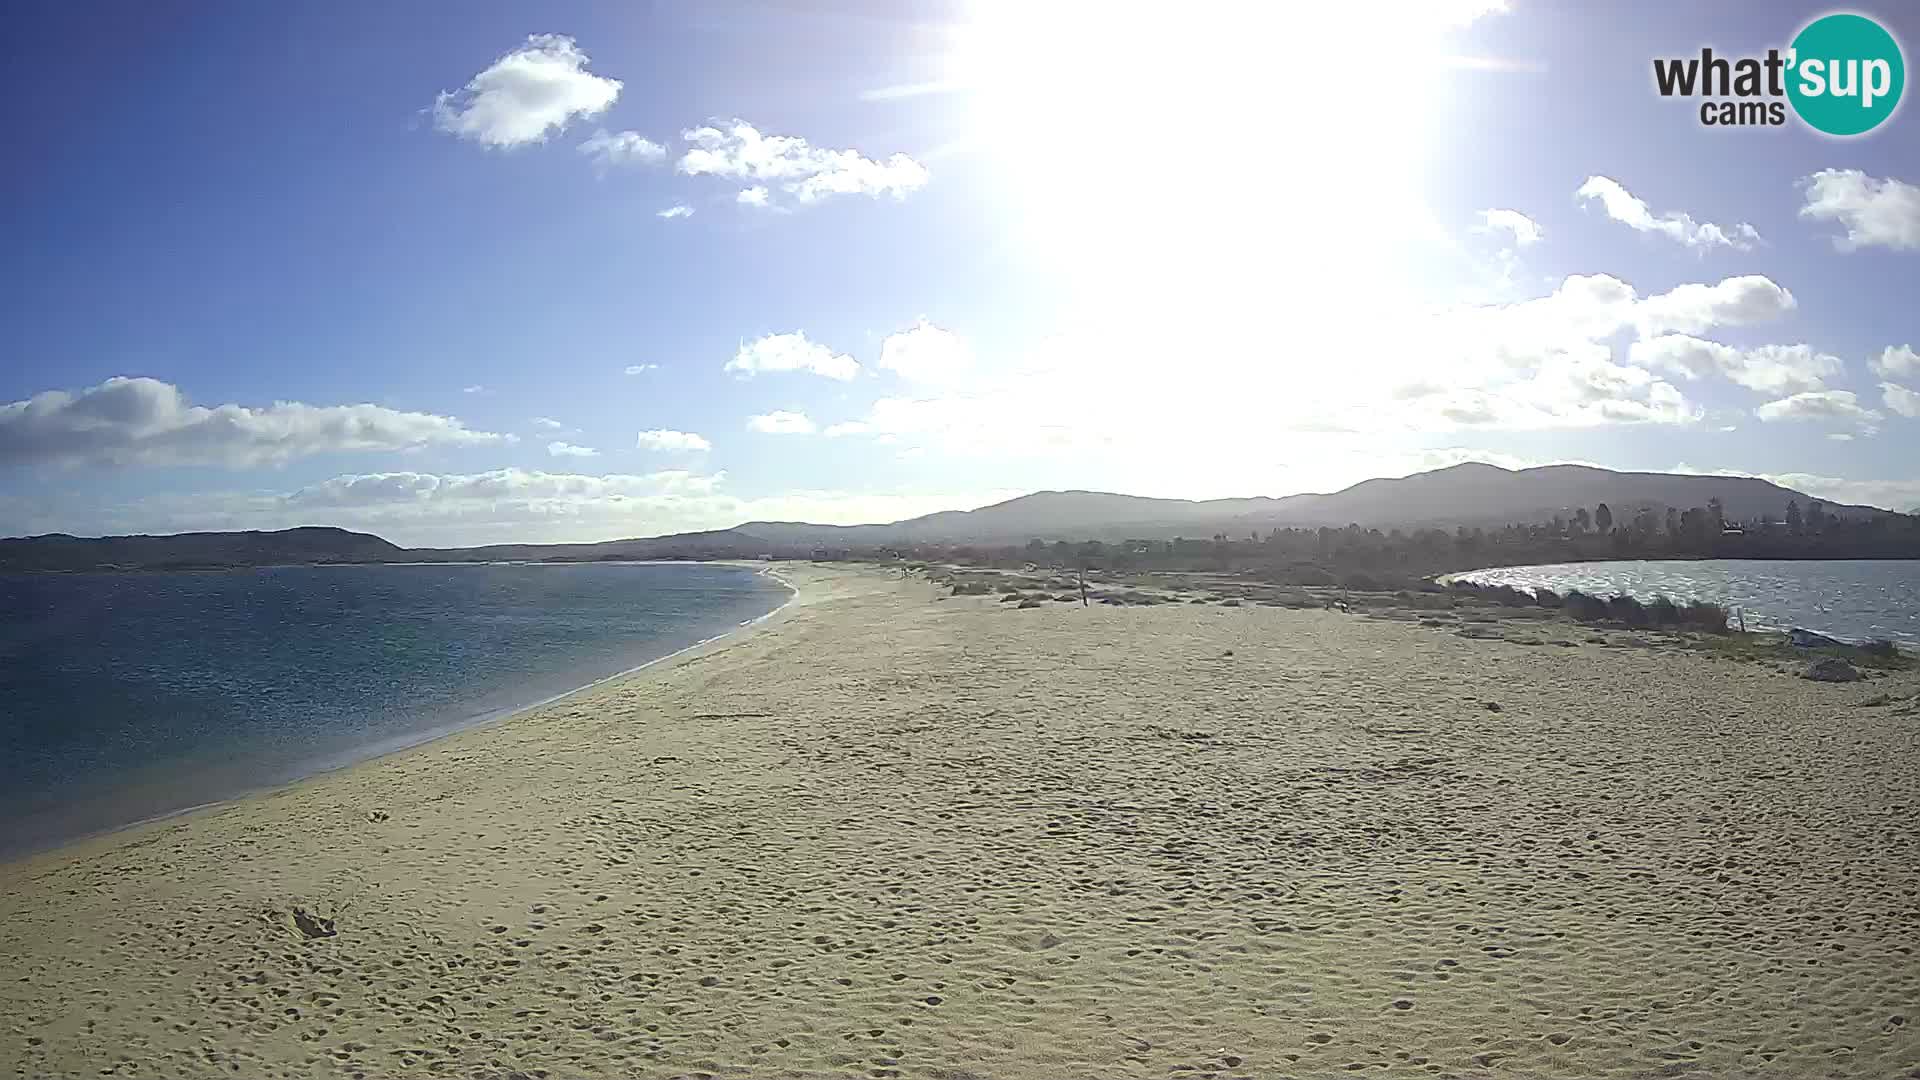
<point>892,834</point>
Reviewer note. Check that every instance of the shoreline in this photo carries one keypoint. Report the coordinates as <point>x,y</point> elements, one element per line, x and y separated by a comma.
<point>379,751</point>
<point>900,833</point>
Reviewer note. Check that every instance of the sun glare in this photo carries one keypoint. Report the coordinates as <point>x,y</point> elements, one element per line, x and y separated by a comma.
<point>1227,166</point>
<point>1209,147</point>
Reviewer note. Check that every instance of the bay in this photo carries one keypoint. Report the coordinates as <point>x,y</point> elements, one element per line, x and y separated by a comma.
<point>127,696</point>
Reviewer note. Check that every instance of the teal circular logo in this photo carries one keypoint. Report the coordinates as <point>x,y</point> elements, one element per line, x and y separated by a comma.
<point>1845,75</point>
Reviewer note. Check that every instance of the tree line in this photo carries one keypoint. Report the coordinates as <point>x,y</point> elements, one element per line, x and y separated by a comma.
<point>1355,555</point>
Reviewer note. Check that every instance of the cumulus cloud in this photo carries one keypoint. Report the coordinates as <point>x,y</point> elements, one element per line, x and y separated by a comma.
<point>1551,361</point>
<point>1688,356</point>
<point>672,441</point>
<point>548,423</point>
<point>781,422</point>
<point>1888,494</point>
<point>527,94</point>
<point>501,506</point>
<point>735,150</point>
<point>1784,369</point>
<point>1524,230</point>
<point>376,489</point>
<point>1895,362</point>
<point>1624,207</point>
<point>1870,212</point>
<point>1769,369</point>
<point>611,149</point>
<point>567,449</point>
<point>140,421</point>
<point>1735,301</point>
<point>1545,361</point>
<point>1570,391</point>
<point>1819,405</point>
<point>680,210</point>
<point>925,354</point>
<point>1900,399</point>
<point>641,369</point>
<point>791,352</point>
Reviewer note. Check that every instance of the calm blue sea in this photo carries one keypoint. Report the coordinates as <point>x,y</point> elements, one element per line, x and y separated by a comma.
<point>126,696</point>
<point>1852,599</point>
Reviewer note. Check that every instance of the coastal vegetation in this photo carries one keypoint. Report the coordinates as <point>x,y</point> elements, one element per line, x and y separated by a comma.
<point>1480,611</point>
<point>1370,558</point>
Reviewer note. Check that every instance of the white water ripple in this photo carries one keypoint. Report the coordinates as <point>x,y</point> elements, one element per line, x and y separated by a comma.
<point>1853,599</point>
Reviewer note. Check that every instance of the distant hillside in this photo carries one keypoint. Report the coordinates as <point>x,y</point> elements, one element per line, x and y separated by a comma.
<point>714,544</point>
<point>58,551</point>
<point>1478,494</point>
<point>1472,494</point>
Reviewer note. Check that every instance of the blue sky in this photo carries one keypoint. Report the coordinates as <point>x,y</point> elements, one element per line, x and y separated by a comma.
<point>407,269</point>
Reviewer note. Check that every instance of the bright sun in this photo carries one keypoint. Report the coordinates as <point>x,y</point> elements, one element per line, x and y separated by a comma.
<point>1228,140</point>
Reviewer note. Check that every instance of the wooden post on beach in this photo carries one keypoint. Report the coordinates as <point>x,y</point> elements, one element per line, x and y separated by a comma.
<point>1083,586</point>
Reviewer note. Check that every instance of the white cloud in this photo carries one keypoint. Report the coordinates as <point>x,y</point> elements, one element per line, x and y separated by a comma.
<point>781,422</point>
<point>1819,405</point>
<point>672,441</point>
<point>1872,212</point>
<point>1552,361</point>
<point>129,421</point>
<point>1900,399</point>
<point>735,150</point>
<point>1525,231</point>
<point>1784,369</point>
<point>1895,362</point>
<point>1691,357</point>
<point>1570,391</point>
<point>1890,494</point>
<point>925,354</point>
<point>548,423</point>
<point>566,449</point>
<point>1735,301</point>
<point>502,506</point>
<point>613,149</point>
<point>1769,369</point>
<point>680,210</point>
<point>641,369</point>
<point>377,489</point>
<point>525,95</point>
<point>1623,206</point>
<point>474,389</point>
<point>791,352</point>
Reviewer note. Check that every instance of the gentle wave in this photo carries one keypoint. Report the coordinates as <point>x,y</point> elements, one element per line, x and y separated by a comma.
<point>1853,599</point>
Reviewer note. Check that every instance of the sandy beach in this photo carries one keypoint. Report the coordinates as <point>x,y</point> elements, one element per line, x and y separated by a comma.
<point>891,833</point>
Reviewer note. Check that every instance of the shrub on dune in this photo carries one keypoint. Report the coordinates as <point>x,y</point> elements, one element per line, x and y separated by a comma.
<point>1713,618</point>
<point>1626,609</point>
<point>1583,607</point>
<point>1663,611</point>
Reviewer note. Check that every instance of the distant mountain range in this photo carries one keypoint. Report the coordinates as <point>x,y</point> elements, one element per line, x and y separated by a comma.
<point>1469,494</point>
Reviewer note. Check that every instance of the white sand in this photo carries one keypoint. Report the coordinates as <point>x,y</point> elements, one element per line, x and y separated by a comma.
<point>889,835</point>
